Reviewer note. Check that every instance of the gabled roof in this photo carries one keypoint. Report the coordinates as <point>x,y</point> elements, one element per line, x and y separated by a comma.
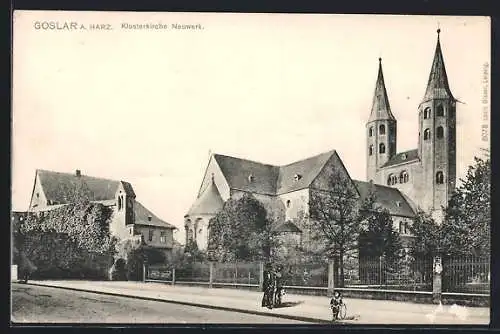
<point>142,215</point>
<point>238,171</point>
<point>288,227</point>
<point>402,157</point>
<point>209,202</point>
<point>437,86</point>
<point>386,197</point>
<point>301,174</point>
<point>267,179</point>
<point>58,186</point>
<point>381,109</point>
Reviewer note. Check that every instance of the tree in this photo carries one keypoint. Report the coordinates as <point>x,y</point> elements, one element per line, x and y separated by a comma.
<point>426,234</point>
<point>337,216</point>
<point>69,241</point>
<point>466,229</point>
<point>241,231</point>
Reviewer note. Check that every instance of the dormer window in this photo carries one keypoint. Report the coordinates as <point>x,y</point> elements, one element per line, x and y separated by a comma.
<point>250,178</point>
<point>297,177</point>
<point>398,204</point>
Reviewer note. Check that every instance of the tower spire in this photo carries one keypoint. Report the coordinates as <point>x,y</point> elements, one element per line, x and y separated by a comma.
<point>381,108</point>
<point>437,86</point>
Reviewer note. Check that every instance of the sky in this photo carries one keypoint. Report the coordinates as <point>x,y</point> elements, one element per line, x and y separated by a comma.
<point>149,105</point>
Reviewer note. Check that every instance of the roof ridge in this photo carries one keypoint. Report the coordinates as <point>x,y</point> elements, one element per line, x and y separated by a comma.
<point>254,161</point>
<point>311,157</point>
<point>82,175</point>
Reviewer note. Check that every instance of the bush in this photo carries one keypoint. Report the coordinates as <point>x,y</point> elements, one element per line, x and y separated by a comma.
<point>138,257</point>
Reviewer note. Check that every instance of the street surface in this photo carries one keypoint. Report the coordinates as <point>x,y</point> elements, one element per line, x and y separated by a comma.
<point>52,305</point>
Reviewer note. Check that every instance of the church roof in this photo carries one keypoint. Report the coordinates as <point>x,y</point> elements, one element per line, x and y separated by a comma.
<point>437,86</point>
<point>57,186</point>
<point>387,197</point>
<point>248,175</point>
<point>142,217</point>
<point>381,109</point>
<point>267,179</point>
<point>301,174</point>
<point>209,202</point>
<point>402,157</point>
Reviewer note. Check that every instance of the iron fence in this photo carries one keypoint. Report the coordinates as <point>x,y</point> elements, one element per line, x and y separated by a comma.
<point>466,274</point>
<point>410,274</point>
<point>237,273</point>
<point>306,274</point>
<point>193,272</point>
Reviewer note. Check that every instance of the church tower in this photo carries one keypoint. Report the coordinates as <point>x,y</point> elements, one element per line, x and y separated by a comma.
<point>380,130</point>
<point>437,138</point>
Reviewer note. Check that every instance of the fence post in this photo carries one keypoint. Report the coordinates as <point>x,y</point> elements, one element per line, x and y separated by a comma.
<point>331,278</point>
<point>211,279</point>
<point>173,276</point>
<point>261,276</point>
<point>436,281</point>
<point>144,271</point>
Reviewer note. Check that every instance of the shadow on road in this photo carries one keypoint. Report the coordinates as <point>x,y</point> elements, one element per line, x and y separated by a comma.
<point>289,304</point>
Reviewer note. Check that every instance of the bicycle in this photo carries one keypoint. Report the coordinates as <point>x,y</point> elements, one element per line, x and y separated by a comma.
<point>342,311</point>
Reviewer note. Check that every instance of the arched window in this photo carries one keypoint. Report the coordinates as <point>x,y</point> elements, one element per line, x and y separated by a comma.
<point>381,148</point>
<point>403,177</point>
<point>370,131</point>
<point>440,132</point>
<point>392,179</point>
<point>427,134</point>
<point>381,129</point>
<point>288,202</point>
<point>120,203</point>
<point>440,111</point>
<point>370,150</point>
<point>439,177</point>
<point>427,113</point>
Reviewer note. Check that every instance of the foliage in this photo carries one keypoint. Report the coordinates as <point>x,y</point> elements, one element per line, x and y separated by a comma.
<point>119,271</point>
<point>69,241</point>
<point>338,217</point>
<point>466,229</point>
<point>426,236</point>
<point>193,253</point>
<point>140,256</point>
<point>241,231</point>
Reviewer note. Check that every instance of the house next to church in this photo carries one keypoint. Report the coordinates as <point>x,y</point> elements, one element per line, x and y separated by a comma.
<point>130,219</point>
<point>403,182</point>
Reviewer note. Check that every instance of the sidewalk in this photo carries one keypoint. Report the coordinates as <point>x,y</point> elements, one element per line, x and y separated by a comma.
<point>298,307</point>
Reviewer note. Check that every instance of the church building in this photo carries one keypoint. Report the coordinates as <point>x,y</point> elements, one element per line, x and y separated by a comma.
<point>422,178</point>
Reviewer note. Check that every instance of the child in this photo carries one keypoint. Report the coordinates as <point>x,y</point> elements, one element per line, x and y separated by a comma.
<point>335,303</point>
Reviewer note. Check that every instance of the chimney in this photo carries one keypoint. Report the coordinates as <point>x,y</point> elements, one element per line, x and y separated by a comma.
<point>78,173</point>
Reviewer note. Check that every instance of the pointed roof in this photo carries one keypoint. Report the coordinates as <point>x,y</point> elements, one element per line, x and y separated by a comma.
<point>209,202</point>
<point>58,186</point>
<point>381,108</point>
<point>437,86</point>
<point>145,217</point>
